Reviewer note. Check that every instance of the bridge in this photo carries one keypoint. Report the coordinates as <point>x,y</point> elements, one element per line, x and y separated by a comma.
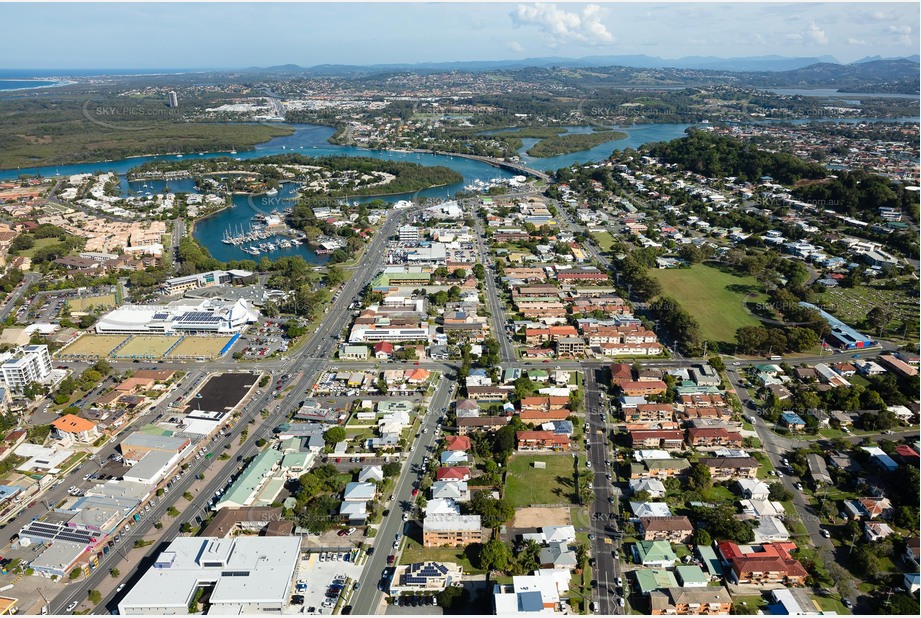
<point>506,165</point>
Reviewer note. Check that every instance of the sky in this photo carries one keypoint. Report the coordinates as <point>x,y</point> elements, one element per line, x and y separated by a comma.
<point>238,35</point>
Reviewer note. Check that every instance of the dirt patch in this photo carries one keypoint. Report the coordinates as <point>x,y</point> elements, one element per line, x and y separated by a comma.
<point>537,517</point>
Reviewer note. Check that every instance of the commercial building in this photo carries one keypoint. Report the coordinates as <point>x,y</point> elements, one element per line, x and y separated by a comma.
<point>26,365</point>
<point>243,575</point>
<point>176,285</point>
<point>185,316</point>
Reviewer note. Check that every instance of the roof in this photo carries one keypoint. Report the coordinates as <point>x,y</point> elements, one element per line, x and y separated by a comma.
<point>451,522</point>
<point>666,523</point>
<point>655,551</point>
<point>457,443</point>
<point>71,423</point>
<point>455,472</point>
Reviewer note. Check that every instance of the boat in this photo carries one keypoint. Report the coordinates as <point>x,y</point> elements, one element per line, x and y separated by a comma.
<point>178,156</point>
<point>233,152</point>
<point>272,192</point>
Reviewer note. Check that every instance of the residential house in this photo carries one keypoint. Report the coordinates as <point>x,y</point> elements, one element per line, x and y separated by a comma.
<point>672,529</point>
<point>71,428</point>
<point>654,554</point>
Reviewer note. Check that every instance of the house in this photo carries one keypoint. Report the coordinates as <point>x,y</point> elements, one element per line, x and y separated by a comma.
<point>690,601</point>
<point>649,580</point>
<point>558,555</point>
<point>792,602</point>
<point>488,423</point>
<point>540,440</point>
<point>654,554</point>
<point>753,489</point>
<point>912,553</point>
<point>691,576</point>
<point>71,428</point>
<point>818,470</point>
<point>451,458</point>
<point>793,421</point>
<point>354,352</point>
<point>383,350</point>
<point>659,468</point>
<point>530,594</point>
<point>912,583</point>
<point>359,492</point>
<point>728,468</point>
<point>876,530</point>
<point>650,509</point>
<point>424,577</point>
<point>653,487</point>
<point>451,530</point>
<point>453,490</point>
<point>458,473</point>
<point>672,529</point>
<point>457,443</point>
<point>881,459</point>
<point>371,474</point>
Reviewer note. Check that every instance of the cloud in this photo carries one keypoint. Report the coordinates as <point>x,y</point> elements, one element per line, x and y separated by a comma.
<point>900,29</point>
<point>561,26</point>
<point>853,41</point>
<point>515,46</point>
<point>816,34</point>
<point>793,36</point>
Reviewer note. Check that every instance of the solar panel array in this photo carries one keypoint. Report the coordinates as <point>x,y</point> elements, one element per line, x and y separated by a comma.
<point>418,574</point>
<point>199,317</point>
<point>58,532</point>
<point>161,315</point>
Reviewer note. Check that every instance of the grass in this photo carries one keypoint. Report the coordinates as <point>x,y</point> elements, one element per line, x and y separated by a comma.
<point>414,552</point>
<point>853,304</point>
<point>579,517</point>
<point>715,298</point>
<point>527,485</point>
<point>832,604</point>
<point>604,240</point>
<point>40,243</point>
<point>749,601</point>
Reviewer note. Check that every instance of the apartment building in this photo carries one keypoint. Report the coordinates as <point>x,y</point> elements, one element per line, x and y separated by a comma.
<point>24,366</point>
<point>451,530</point>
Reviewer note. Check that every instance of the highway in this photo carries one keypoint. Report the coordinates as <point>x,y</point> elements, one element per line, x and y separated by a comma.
<point>10,302</point>
<point>507,351</point>
<point>368,598</point>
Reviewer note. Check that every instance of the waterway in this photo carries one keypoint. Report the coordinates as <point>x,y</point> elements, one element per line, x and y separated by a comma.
<point>27,84</point>
<point>830,93</point>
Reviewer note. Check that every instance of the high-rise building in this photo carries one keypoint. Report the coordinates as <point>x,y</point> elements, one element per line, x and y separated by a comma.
<point>26,365</point>
<point>172,98</point>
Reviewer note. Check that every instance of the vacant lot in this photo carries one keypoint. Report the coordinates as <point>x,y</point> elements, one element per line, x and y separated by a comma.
<point>82,304</point>
<point>527,485</point>
<point>537,517</point>
<point>604,239</point>
<point>94,346</point>
<point>199,347</point>
<point>714,297</point>
<point>147,346</point>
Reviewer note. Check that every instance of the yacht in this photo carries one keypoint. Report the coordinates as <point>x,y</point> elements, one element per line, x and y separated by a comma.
<point>272,192</point>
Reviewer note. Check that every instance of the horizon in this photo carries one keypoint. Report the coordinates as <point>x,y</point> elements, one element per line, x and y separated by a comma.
<point>367,34</point>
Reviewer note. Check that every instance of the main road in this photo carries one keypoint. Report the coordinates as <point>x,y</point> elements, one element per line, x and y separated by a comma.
<point>368,599</point>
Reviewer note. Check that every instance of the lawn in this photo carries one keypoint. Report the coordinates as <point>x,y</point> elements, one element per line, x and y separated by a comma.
<point>832,604</point>
<point>604,240</point>
<point>527,485</point>
<point>40,243</point>
<point>749,601</point>
<point>715,298</point>
<point>414,552</point>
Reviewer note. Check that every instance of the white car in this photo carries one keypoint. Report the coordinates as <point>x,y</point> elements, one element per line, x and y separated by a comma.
<point>72,606</point>
<point>826,533</point>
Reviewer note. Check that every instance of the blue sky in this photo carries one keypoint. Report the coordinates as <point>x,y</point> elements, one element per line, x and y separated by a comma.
<point>228,35</point>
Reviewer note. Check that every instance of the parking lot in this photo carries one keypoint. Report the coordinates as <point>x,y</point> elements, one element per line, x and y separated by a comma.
<point>263,339</point>
<point>316,573</point>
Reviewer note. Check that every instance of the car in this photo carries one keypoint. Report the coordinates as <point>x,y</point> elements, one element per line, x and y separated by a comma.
<point>736,364</point>
<point>396,544</point>
<point>342,532</point>
<point>350,531</point>
<point>620,601</point>
<point>799,486</point>
<point>72,606</point>
<point>591,537</point>
<point>620,581</point>
<point>390,560</point>
<point>847,603</point>
<point>779,474</point>
<point>826,533</point>
<point>398,537</point>
<point>415,493</point>
<point>417,364</point>
<point>588,464</point>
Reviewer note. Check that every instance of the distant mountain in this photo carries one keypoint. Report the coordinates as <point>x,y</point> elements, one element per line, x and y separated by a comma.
<point>753,63</point>
<point>914,58</point>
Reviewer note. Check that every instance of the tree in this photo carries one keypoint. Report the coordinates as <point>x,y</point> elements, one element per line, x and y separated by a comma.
<point>878,318</point>
<point>334,435</point>
<point>114,572</point>
<point>479,271</point>
<point>75,574</point>
<point>391,469</point>
<point>701,537</point>
<point>495,556</point>
<point>94,596</point>
<point>778,493</point>
<point>699,478</point>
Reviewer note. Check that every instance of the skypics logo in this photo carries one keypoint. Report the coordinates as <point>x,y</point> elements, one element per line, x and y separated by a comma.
<point>768,312</point>
<point>134,117</point>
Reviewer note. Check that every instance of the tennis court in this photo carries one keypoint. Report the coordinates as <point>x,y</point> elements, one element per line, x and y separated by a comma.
<point>199,347</point>
<point>147,346</point>
<point>93,346</point>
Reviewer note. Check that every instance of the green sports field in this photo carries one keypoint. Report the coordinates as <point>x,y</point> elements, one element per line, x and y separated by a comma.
<point>715,298</point>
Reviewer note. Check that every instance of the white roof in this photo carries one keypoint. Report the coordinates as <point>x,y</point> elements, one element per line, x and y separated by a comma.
<point>247,570</point>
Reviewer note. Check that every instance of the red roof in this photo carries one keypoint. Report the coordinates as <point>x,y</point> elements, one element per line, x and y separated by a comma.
<point>452,474</point>
<point>457,443</point>
<point>383,346</point>
<point>905,451</point>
